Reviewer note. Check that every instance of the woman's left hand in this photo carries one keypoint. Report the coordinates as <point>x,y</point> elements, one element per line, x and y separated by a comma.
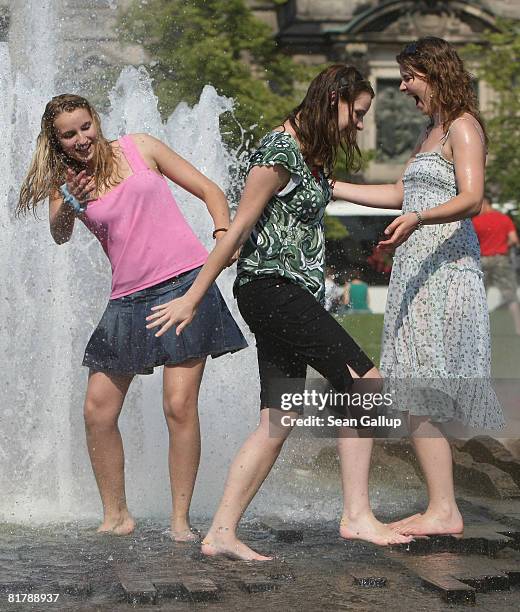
<point>399,231</point>
<point>178,312</point>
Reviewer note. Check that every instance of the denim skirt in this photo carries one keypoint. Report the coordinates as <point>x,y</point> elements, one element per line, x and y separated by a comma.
<point>121,344</point>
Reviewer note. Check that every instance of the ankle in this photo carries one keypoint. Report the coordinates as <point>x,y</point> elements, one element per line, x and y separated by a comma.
<point>356,514</point>
<point>180,517</point>
<point>220,534</point>
<point>115,514</point>
<point>443,509</point>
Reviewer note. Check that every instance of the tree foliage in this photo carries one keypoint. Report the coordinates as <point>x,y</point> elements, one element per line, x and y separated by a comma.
<point>498,64</point>
<point>219,42</point>
<point>334,229</point>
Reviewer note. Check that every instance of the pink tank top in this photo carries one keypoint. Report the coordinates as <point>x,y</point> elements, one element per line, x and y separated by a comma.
<point>141,229</point>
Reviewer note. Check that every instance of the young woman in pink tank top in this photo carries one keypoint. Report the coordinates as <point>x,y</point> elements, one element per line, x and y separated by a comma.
<point>119,191</point>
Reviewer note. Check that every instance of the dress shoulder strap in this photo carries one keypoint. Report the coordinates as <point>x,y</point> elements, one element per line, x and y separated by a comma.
<point>133,157</point>
<point>475,123</point>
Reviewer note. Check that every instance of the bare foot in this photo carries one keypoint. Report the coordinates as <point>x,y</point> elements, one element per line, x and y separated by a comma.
<point>401,522</point>
<point>120,525</point>
<point>231,548</point>
<point>431,523</point>
<point>368,528</point>
<point>185,535</point>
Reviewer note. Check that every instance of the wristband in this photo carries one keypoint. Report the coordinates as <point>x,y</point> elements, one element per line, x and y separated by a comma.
<point>419,217</point>
<point>219,229</point>
<point>72,201</point>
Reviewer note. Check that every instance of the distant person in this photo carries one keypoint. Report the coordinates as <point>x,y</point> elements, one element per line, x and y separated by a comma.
<point>333,292</point>
<point>497,234</point>
<point>355,295</point>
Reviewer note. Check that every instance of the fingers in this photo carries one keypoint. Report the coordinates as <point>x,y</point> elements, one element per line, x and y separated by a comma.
<point>399,234</point>
<point>164,328</point>
<point>391,228</point>
<point>74,179</point>
<point>80,185</point>
<point>181,326</point>
<point>392,242</point>
<point>89,188</point>
<point>163,319</point>
<point>156,319</point>
<point>169,314</point>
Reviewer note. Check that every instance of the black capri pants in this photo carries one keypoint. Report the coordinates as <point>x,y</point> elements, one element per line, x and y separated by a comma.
<point>293,330</point>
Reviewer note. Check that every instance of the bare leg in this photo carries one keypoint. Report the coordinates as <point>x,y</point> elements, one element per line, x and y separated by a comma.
<point>434,454</point>
<point>248,471</point>
<point>358,520</point>
<point>103,404</point>
<point>181,384</point>
<point>514,309</point>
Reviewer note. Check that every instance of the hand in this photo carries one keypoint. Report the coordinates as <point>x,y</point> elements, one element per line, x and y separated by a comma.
<point>178,312</point>
<point>80,185</point>
<point>399,231</point>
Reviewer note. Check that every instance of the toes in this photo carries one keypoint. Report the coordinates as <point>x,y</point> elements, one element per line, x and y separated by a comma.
<point>400,541</point>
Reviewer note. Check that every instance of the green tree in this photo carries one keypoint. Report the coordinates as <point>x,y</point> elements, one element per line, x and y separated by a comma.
<point>219,42</point>
<point>497,62</point>
<point>334,229</point>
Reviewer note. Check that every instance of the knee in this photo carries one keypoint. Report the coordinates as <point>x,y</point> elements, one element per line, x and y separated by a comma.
<point>273,431</point>
<point>98,414</point>
<point>180,409</point>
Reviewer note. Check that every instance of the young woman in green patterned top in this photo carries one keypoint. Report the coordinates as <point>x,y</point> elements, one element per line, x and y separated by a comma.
<point>280,291</point>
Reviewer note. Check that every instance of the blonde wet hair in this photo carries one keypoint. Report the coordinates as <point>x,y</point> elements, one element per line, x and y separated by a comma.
<point>49,164</point>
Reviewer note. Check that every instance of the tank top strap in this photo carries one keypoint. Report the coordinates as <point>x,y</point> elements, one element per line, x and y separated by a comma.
<point>131,152</point>
<point>476,125</point>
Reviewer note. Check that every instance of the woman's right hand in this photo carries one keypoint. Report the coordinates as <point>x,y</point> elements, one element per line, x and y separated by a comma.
<point>178,312</point>
<point>80,185</point>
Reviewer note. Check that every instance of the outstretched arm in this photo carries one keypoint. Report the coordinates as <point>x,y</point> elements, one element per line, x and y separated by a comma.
<point>262,183</point>
<point>374,196</point>
<point>389,195</point>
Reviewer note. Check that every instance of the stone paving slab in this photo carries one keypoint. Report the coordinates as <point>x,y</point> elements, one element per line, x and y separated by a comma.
<point>201,589</point>
<point>146,571</point>
<point>484,539</point>
<point>138,589</point>
<point>450,574</point>
<point>451,590</point>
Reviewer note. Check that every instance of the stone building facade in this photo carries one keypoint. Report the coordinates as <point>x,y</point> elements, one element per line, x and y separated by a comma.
<point>370,34</point>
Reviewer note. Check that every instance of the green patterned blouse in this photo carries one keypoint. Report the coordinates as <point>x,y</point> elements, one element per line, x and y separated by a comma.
<point>288,239</point>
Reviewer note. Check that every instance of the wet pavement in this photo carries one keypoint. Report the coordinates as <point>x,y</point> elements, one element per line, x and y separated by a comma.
<point>314,569</point>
